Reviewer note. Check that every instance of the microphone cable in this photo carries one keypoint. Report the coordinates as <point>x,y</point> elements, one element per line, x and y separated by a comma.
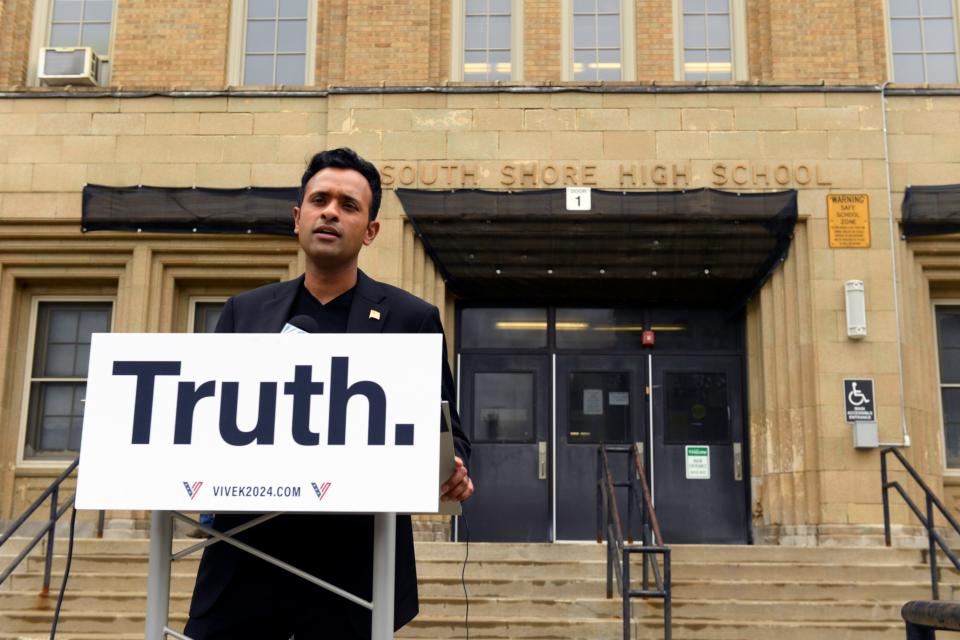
<point>463,575</point>
<point>66,573</point>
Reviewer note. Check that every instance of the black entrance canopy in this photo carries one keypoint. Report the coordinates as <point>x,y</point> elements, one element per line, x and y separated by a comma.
<point>931,210</point>
<point>185,210</point>
<point>692,248</point>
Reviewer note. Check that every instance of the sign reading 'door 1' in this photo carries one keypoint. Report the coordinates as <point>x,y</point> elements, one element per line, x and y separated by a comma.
<point>262,422</point>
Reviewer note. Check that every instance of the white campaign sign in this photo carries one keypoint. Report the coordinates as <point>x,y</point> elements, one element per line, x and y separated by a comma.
<point>262,422</point>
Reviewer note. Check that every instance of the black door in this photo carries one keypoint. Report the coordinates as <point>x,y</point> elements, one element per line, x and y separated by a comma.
<point>504,404</point>
<point>698,465</point>
<point>599,400</point>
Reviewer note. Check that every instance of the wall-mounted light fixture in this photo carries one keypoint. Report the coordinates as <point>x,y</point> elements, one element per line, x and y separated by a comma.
<point>856,309</point>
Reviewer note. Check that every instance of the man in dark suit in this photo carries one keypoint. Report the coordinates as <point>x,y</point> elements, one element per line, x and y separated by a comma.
<point>239,596</point>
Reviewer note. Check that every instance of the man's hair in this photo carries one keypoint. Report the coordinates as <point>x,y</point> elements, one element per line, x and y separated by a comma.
<point>344,158</point>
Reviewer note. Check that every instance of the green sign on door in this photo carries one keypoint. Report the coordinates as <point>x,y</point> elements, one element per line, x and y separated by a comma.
<point>698,462</point>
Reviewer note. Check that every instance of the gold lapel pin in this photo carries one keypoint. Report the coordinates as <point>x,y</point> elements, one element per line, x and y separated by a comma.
<point>374,314</point>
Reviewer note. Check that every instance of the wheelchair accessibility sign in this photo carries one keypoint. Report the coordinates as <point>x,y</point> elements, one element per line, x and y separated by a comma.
<point>858,399</point>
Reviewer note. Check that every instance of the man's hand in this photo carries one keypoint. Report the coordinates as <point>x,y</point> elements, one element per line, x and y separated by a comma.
<point>458,486</point>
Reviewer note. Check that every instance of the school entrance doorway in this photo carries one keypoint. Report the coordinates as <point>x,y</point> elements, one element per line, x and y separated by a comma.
<point>541,388</point>
<point>554,297</point>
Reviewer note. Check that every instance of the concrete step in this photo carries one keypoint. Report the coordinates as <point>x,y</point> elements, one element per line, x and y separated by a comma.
<point>452,604</point>
<point>588,586</point>
<point>572,569</point>
<point>97,625</point>
<point>686,571</point>
<point>547,552</point>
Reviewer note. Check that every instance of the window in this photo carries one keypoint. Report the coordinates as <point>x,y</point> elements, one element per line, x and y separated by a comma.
<point>487,40</point>
<point>57,384</point>
<point>948,347</point>
<point>712,42</point>
<point>272,42</point>
<point>707,40</point>
<point>597,52</point>
<point>923,40</point>
<point>599,40</point>
<point>74,23</point>
<point>206,314</point>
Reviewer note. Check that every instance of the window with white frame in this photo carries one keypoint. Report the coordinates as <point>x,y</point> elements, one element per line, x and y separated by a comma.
<point>83,23</point>
<point>948,348</point>
<point>487,40</point>
<point>276,45</point>
<point>711,40</point>
<point>597,40</point>
<point>707,40</point>
<point>488,51</point>
<point>58,374</point>
<point>923,37</point>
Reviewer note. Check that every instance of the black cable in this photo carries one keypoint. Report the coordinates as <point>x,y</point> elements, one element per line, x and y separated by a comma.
<point>66,574</point>
<point>463,576</point>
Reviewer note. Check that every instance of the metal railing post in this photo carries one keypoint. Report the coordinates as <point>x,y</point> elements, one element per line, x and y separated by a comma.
<point>609,568</point>
<point>625,592</point>
<point>101,518</point>
<point>384,570</point>
<point>934,578</point>
<point>668,598</point>
<point>646,570</point>
<point>158,578</point>
<point>51,534</point>
<point>918,632</point>
<point>885,490</point>
<point>600,519</point>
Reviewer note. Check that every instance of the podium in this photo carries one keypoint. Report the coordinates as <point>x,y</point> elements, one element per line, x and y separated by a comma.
<point>161,557</point>
<point>164,414</point>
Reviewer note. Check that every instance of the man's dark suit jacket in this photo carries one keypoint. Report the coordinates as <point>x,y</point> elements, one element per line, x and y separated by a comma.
<point>336,548</point>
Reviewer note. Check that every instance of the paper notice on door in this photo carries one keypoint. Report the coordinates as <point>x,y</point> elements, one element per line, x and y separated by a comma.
<point>619,398</point>
<point>698,462</point>
<point>593,402</point>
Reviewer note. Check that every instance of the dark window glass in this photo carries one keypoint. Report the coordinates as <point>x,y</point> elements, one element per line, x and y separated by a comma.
<point>951,425</point>
<point>948,336</point>
<point>695,408</point>
<point>503,407</point>
<point>206,315</point>
<point>57,386</point>
<point>503,328</point>
<point>695,329</point>
<point>948,343</point>
<point>599,407</point>
<point>599,328</point>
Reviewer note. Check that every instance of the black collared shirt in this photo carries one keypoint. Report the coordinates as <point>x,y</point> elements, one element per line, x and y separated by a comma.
<point>331,317</point>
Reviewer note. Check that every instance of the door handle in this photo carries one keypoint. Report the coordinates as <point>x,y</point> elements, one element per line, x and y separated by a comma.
<point>542,460</point>
<point>737,461</point>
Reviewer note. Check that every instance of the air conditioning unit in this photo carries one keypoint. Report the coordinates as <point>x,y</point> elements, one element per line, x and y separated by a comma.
<point>68,65</point>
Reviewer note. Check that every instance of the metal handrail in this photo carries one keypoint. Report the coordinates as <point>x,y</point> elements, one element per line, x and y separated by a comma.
<point>923,618</point>
<point>48,530</point>
<point>934,539</point>
<point>618,553</point>
<point>647,501</point>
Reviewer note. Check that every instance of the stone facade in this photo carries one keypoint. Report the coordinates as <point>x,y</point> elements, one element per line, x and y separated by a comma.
<point>808,484</point>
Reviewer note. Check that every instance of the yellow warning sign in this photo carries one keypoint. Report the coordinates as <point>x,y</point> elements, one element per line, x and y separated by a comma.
<point>848,220</point>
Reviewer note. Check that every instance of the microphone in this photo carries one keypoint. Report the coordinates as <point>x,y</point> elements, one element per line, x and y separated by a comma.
<point>301,324</point>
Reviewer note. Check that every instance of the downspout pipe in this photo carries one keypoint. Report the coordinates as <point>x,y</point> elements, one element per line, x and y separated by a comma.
<point>893,266</point>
